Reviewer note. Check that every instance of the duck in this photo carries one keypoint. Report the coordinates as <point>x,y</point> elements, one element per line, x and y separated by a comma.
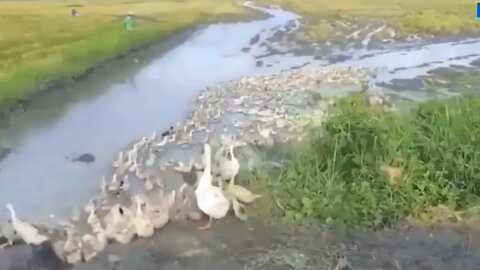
<point>76,215</point>
<point>151,158</point>
<point>140,174</point>
<point>177,211</point>
<point>73,246</point>
<point>172,138</point>
<point>8,232</point>
<point>94,221</point>
<point>92,245</point>
<point>103,185</point>
<point>242,194</point>
<point>24,230</point>
<point>121,168</point>
<point>114,184</point>
<point>143,226</point>
<point>163,142</point>
<point>265,132</point>
<point>152,137</point>
<point>157,211</point>
<point>168,132</point>
<point>124,184</point>
<point>230,168</point>
<point>132,155</point>
<point>117,163</point>
<point>186,140</point>
<point>181,167</point>
<point>119,224</point>
<point>210,199</point>
<point>188,198</point>
<point>149,185</point>
<point>239,209</point>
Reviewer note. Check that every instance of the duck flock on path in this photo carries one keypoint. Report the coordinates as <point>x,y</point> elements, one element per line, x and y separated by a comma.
<point>228,124</point>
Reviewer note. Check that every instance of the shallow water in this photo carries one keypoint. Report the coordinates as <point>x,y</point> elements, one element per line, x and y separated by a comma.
<point>109,110</point>
<point>129,99</point>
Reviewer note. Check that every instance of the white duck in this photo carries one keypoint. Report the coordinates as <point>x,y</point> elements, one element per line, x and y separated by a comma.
<point>230,167</point>
<point>143,226</point>
<point>73,247</point>
<point>93,244</point>
<point>114,184</point>
<point>157,210</point>
<point>265,132</point>
<point>119,224</point>
<point>210,199</point>
<point>94,221</point>
<point>7,231</point>
<point>121,160</point>
<point>27,232</point>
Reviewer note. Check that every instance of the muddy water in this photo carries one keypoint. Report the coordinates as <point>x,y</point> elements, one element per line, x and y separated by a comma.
<point>152,90</point>
<point>109,110</point>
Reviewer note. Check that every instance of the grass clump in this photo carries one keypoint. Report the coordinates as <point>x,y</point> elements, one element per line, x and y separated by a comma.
<point>370,168</point>
<point>320,31</point>
<point>43,42</point>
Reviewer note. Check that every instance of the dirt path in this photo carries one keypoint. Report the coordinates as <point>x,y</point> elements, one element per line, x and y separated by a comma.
<point>232,245</point>
<point>236,246</point>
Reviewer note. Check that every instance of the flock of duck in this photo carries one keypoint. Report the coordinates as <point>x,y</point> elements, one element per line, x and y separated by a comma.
<point>229,123</point>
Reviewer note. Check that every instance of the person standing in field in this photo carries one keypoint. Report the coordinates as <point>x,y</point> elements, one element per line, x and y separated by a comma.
<point>128,22</point>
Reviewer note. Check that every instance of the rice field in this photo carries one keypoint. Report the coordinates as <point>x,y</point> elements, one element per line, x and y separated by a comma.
<point>410,16</point>
<point>41,41</point>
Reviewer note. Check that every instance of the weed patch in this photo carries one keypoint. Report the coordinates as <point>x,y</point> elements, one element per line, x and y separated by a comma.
<point>369,168</point>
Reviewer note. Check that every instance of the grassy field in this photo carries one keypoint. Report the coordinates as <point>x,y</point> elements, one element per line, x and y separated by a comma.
<point>41,41</point>
<point>406,16</point>
<point>372,169</point>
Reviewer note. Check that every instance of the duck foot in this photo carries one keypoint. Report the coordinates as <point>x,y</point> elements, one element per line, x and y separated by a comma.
<point>207,226</point>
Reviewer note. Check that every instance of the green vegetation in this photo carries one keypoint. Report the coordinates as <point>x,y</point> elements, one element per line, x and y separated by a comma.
<point>405,17</point>
<point>43,42</point>
<point>369,168</point>
<point>320,30</point>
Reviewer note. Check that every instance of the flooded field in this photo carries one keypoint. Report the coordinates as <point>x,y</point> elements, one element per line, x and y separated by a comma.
<point>53,156</point>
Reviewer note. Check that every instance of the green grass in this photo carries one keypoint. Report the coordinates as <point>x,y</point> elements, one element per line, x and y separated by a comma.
<point>41,42</point>
<point>319,30</point>
<point>343,178</point>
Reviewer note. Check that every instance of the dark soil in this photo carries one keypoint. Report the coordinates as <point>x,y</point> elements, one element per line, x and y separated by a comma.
<point>236,246</point>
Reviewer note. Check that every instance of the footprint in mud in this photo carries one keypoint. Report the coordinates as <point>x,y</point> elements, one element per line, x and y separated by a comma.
<point>28,257</point>
<point>4,152</point>
<point>301,66</point>
<point>422,65</point>
<point>475,63</point>
<point>255,39</point>
<point>84,158</point>
<point>339,58</point>
<point>399,68</point>
<point>246,49</point>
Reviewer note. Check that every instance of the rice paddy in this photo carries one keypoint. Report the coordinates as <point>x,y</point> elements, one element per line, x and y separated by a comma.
<point>406,17</point>
<point>44,42</point>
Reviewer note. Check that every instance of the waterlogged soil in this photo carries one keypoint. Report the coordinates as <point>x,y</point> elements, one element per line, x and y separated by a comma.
<point>233,245</point>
